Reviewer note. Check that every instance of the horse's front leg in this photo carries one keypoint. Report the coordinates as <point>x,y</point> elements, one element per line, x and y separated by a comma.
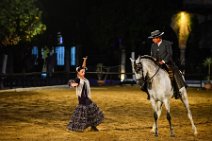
<point>159,110</point>
<point>167,105</point>
<point>155,125</point>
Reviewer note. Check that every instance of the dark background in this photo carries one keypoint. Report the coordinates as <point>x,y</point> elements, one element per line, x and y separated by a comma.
<point>101,28</point>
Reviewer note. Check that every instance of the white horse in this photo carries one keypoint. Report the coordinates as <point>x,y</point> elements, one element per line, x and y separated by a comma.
<point>160,91</point>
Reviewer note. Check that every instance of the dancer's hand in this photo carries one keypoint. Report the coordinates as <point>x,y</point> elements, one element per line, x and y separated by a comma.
<point>161,62</point>
<point>72,83</point>
<point>85,58</point>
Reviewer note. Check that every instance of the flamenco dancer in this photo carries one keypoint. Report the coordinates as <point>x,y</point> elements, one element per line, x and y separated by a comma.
<point>86,113</point>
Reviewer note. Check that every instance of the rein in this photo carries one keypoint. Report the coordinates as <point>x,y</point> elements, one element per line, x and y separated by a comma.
<point>154,74</point>
<point>149,80</point>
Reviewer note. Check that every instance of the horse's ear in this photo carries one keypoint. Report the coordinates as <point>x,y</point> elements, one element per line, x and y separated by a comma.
<point>139,56</point>
<point>132,60</point>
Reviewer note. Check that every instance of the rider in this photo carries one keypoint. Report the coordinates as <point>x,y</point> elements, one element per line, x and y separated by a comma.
<point>162,51</point>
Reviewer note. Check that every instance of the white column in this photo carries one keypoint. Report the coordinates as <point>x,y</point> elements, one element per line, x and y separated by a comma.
<point>133,57</point>
<point>4,64</point>
<point>123,63</point>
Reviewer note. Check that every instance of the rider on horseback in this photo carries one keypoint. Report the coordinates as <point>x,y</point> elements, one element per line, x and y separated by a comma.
<point>162,51</point>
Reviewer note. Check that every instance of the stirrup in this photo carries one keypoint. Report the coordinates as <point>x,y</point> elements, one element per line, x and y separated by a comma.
<point>148,97</point>
<point>177,95</point>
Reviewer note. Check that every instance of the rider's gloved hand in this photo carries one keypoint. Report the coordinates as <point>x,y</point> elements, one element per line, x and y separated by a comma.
<point>161,62</point>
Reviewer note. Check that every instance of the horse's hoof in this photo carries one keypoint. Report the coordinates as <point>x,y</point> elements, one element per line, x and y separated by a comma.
<point>152,131</point>
<point>195,133</point>
<point>172,135</point>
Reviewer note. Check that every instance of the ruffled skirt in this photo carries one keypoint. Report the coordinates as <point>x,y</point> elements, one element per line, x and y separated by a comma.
<point>85,116</point>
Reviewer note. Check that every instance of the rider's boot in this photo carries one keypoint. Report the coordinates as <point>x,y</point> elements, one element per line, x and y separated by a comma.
<point>93,128</point>
<point>144,88</point>
<point>176,92</point>
<point>148,96</point>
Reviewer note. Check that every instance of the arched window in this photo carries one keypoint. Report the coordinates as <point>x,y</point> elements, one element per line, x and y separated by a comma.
<point>60,55</point>
<point>35,51</point>
<point>73,56</point>
<point>35,54</point>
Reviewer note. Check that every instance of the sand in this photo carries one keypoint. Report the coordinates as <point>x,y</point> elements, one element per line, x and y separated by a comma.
<point>43,114</point>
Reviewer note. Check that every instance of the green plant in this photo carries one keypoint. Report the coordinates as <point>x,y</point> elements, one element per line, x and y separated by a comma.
<point>20,20</point>
<point>208,62</point>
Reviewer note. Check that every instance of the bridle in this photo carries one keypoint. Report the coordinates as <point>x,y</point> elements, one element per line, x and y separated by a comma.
<point>139,67</point>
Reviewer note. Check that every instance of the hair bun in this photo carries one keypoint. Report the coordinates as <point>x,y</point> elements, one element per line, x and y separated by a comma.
<point>80,68</point>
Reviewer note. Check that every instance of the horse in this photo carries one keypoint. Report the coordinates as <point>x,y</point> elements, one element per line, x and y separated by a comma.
<point>160,89</point>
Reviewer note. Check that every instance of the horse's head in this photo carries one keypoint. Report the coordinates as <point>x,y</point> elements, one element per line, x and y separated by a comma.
<point>137,69</point>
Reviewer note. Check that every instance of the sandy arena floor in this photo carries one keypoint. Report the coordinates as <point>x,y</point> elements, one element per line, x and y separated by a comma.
<point>42,115</point>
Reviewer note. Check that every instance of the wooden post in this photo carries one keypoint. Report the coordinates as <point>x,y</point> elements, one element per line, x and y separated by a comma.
<point>3,70</point>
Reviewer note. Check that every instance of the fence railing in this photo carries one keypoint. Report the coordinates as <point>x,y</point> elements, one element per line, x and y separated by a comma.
<point>59,78</point>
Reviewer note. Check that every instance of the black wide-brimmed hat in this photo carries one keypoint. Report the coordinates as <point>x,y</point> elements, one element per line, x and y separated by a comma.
<point>155,34</point>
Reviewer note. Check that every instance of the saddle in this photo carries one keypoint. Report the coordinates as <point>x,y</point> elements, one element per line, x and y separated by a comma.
<point>175,75</point>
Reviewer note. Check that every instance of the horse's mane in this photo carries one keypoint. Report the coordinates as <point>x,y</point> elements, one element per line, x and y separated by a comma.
<point>150,58</point>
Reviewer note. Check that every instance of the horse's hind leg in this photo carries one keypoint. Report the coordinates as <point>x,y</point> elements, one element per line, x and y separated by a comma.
<point>184,100</point>
<point>167,105</point>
